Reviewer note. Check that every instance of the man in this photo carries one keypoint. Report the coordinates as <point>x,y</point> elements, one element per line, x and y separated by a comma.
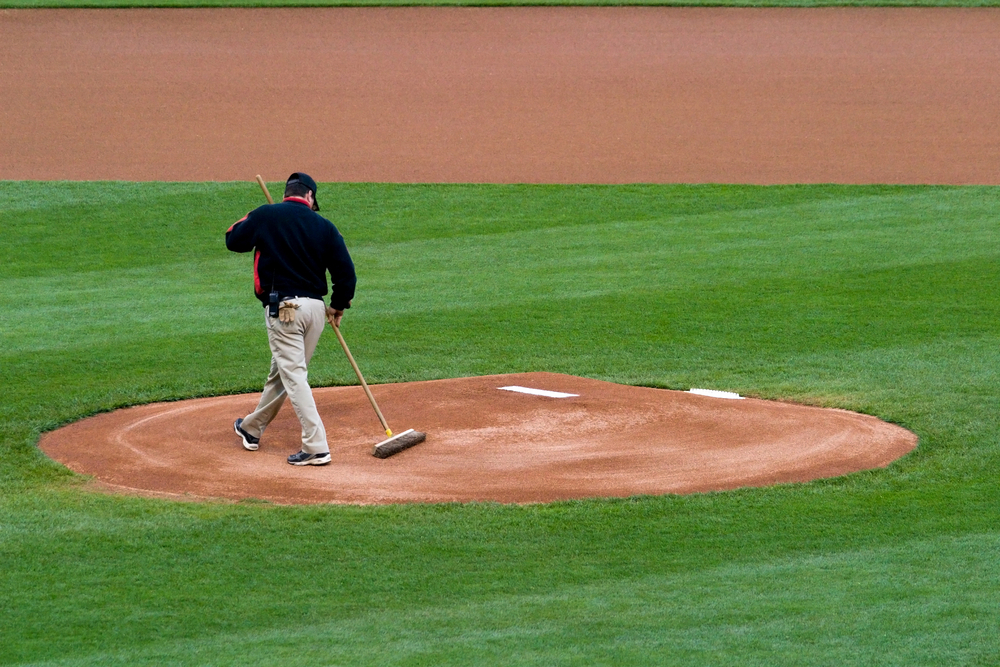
<point>294,247</point>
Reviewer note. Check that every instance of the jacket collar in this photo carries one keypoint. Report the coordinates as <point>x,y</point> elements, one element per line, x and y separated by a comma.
<point>297,200</point>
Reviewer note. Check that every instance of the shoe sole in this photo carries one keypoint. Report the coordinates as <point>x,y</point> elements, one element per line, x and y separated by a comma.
<point>320,461</point>
<point>247,445</point>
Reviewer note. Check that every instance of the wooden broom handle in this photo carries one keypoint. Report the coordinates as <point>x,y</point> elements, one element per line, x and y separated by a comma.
<point>343,343</point>
<point>263,186</point>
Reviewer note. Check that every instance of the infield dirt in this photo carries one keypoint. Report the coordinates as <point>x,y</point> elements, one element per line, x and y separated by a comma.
<point>533,95</point>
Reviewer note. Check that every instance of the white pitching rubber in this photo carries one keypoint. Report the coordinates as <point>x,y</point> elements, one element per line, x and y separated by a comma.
<point>538,392</point>
<point>714,393</point>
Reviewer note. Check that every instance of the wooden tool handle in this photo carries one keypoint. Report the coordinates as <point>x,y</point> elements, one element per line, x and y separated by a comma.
<point>263,186</point>
<point>343,344</point>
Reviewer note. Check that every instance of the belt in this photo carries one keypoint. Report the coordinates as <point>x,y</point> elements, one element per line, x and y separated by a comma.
<point>289,297</point>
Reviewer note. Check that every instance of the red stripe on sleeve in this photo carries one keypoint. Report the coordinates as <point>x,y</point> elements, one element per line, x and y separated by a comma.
<point>237,222</point>
<point>256,275</point>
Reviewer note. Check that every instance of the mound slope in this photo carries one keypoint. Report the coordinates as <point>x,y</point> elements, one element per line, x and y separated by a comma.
<point>483,444</point>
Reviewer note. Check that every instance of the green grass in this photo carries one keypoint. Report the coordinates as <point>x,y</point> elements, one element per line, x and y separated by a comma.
<point>878,299</point>
<point>491,3</point>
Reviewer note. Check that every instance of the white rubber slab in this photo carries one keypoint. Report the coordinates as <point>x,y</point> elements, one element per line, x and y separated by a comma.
<point>538,392</point>
<point>714,393</point>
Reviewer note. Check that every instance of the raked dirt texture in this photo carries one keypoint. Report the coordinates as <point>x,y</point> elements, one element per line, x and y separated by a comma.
<point>503,95</point>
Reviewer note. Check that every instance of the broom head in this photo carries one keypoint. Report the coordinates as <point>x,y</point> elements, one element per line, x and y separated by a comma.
<point>398,443</point>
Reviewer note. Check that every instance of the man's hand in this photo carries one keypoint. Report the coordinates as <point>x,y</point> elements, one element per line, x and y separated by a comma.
<point>333,316</point>
<point>286,311</point>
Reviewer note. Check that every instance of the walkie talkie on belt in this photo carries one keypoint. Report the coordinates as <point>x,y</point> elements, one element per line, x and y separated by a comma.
<point>272,304</point>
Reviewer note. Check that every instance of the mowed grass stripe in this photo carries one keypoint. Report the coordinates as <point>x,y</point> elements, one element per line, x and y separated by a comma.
<point>876,592</point>
<point>879,299</point>
<point>850,605</point>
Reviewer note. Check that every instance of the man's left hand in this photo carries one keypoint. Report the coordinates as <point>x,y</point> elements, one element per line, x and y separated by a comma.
<point>333,316</point>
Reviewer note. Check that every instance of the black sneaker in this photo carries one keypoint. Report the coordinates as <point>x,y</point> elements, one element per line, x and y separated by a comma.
<point>249,442</point>
<point>303,459</point>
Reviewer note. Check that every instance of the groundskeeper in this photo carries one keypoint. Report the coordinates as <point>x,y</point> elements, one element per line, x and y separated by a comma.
<point>294,247</point>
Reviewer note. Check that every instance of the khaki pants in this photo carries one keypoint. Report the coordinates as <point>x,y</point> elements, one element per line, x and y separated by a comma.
<point>292,345</point>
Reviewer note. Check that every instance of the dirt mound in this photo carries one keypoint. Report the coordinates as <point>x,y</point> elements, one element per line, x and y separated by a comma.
<point>484,443</point>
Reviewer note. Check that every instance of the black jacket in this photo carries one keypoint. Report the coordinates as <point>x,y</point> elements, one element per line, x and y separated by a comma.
<point>294,248</point>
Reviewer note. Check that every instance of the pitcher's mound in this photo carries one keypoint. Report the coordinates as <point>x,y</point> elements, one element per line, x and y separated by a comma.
<point>483,443</point>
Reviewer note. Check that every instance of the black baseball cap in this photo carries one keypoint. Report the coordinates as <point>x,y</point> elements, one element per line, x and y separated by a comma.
<point>306,180</point>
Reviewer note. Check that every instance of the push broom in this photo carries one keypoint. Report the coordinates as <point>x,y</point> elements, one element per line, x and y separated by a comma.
<point>394,443</point>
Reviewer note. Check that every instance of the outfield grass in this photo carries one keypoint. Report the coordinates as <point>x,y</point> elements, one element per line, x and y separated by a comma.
<point>878,299</point>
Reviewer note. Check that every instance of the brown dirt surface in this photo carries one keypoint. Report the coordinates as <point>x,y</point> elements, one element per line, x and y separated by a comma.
<point>546,95</point>
<point>483,444</point>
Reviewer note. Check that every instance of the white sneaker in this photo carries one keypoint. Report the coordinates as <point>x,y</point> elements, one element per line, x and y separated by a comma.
<point>249,442</point>
<point>304,459</point>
